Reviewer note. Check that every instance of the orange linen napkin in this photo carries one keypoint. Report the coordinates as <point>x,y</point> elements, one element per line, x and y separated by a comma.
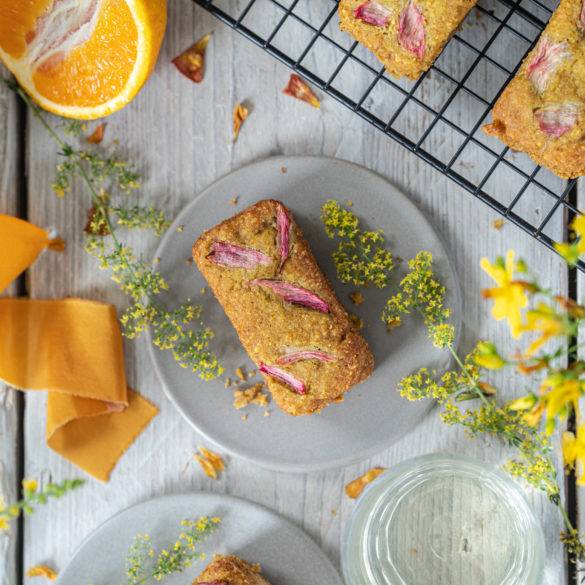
<point>21,242</point>
<point>73,349</point>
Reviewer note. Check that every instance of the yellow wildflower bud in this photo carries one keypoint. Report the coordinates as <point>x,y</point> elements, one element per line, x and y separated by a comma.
<point>30,485</point>
<point>569,446</point>
<point>533,416</point>
<point>549,426</point>
<point>574,451</point>
<point>578,225</point>
<point>4,525</point>
<point>523,403</point>
<point>487,356</point>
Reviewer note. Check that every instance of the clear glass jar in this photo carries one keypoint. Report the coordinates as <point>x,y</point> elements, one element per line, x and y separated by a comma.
<point>443,519</point>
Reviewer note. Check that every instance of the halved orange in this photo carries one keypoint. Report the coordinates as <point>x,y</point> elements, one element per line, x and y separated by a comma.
<point>81,58</point>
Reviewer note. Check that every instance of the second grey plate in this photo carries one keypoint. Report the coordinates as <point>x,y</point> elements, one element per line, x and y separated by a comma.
<point>373,415</point>
<point>286,554</point>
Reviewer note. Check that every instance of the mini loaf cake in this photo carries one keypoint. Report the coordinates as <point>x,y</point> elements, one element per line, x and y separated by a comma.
<point>406,35</point>
<point>541,111</point>
<point>230,570</point>
<point>262,271</point>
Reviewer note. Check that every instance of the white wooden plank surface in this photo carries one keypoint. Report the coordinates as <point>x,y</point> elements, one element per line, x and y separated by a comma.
<point>180,134</point>
<point>9,432</point>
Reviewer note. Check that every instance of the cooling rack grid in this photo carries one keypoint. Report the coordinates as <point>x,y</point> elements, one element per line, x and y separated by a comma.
<point>440,115</point>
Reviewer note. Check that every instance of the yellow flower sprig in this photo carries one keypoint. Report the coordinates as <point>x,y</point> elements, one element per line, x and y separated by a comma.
<point>527,422</point>
<point>143,564</point>
<point>33,497</point>
<point>361,257</point>
<point>177,330</point>
<point>421,291</point>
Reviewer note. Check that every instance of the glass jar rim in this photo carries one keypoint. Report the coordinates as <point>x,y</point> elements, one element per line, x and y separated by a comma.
<point>431,466</point>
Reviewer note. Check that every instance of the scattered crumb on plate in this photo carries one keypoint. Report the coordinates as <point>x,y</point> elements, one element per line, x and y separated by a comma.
<point>356,321</point>
<point>252,395</point>
<point>357,298</point>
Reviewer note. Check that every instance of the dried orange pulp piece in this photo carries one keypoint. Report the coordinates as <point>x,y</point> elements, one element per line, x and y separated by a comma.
<point>81,58</point>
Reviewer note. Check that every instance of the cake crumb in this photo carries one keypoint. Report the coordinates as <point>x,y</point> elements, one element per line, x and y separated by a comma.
<point>189,261</point>
<point>202,290</point>
<point>356,321</point>
<point>241,374</point>
<point>357,298</point>
<point>267,412</point>
<point>333,512</point>
<point>234,200</point>
<point>180,228</point>
<point>283,170</point>
<point>244,417</point>
<point>252,395</point>
<point>498,224</point>
<point>227,383</point>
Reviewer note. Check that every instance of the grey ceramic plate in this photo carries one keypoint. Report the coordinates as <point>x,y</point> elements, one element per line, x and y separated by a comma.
<point>373,415</point>
<point>287,555</point>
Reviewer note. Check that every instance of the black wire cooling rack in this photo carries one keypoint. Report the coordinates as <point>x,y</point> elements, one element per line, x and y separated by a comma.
<point>439,116</point>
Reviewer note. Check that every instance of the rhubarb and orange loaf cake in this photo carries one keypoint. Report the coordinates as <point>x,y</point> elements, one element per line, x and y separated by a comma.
<point>406,35</point>
<point>261,269</point>
<point>541,112</point>
<point>230,570</point>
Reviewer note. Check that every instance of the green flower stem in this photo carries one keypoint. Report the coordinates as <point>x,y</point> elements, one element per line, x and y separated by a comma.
<point>568,524</point>
<point>472,382</point>
<point>37,114</point>
<point>32,497</point>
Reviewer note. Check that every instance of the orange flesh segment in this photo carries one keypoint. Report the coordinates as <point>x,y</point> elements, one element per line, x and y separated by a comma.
<point>97,70</point>
<point>17,22</point>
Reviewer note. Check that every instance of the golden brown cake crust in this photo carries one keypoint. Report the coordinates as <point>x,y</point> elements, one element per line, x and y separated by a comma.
<point>267,326</point>
<point>231,570</point>
<point>442,18</point>
<point>514,122</point>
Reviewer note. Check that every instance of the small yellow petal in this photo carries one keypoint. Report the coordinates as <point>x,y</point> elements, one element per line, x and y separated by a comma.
<point>30,485</point>
<point>42,571</point>
<point>356,487</point>
<point>579,225</point>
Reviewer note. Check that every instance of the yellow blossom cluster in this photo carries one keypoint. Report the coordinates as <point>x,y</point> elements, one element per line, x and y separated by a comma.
<point>421,291</point>
<point>361,257</point>
<point>143,563</point>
